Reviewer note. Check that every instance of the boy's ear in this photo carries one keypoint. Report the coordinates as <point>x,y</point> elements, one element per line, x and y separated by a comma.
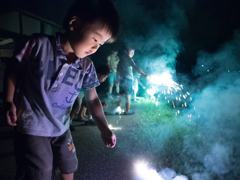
<point>74,23</point>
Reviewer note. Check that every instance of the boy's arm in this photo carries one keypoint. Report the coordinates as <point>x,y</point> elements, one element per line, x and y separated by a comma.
<point>139,82</point>
<point>95,108</point>
<point>11,77</point>
<point>136,68</point>
<point>108,61</point>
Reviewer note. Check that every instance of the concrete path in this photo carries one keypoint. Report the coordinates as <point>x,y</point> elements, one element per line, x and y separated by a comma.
<point>96,162</point>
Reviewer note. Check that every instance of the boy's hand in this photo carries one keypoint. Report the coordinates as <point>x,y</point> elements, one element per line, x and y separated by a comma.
<point>109,138</point>
<point>11,114</point>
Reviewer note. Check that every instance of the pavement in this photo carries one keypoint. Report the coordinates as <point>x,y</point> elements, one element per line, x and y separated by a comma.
<point>96,162</point>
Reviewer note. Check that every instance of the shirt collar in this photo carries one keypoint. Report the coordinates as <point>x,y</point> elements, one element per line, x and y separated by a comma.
<point>60,54</point>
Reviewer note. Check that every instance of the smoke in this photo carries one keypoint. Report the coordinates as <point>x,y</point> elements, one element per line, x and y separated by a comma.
<point>214,148</point>
<point>211,150</point>
<point>153,30</point>
<point>210,66</point>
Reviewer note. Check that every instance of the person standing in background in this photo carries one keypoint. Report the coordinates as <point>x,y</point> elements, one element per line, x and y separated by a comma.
<point>112,61</point>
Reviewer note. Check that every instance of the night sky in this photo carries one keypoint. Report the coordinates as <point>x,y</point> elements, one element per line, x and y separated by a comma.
<point>205,25</point>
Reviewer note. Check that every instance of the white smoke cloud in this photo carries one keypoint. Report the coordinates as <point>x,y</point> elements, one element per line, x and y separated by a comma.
<point>215,146</point>
<point>156,39</point>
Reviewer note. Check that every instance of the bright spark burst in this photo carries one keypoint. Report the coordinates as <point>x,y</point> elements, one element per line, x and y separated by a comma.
<point>151,92</point>
<point>146,173</point>
<point>165,79</point>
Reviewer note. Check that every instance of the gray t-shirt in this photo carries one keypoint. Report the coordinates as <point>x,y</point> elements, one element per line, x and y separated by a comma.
<point>124,68</point>
<point>49,86</point>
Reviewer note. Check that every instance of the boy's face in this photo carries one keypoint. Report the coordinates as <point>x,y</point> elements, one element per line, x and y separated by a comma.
<point>87,42</point>
<point>115,53</point>
<point>101,77</point>
<point>131,53</point>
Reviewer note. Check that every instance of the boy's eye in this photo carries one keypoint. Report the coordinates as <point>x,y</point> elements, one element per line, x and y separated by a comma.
<point>94,40</point>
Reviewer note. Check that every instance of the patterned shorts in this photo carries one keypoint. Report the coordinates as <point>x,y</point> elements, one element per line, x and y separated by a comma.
<point>36,155</point>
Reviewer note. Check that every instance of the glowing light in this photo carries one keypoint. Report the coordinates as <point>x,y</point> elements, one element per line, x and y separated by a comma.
<point>151,92</point>
<point>165,98</point>
<point>185,104</point>
<point>157,103</point>
<point>188,93</point>
<point>164,79</point>
<point>118,110</point>
<point>173,104</point>
<point>190,98</point>
<point>141,168</point>
<point>114,128</point>
<point>176,98</point>
<point>199,115</point>
<point>146,173</point>
<point>228,70</point>
<point>168,101</point>
<point>207,70</point>
<point>179,99</point>
<point>194,108</point>
<point>202,65</point>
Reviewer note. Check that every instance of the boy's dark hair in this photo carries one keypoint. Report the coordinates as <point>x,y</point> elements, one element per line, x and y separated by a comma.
<point>103,70</point>
<point>90,11</point>
<point>124,48</point>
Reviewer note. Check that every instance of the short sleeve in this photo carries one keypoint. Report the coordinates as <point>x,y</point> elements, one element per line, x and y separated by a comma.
<point>26,53</point>
<point>90,79</point>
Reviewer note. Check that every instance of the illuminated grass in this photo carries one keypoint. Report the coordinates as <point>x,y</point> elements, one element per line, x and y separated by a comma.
<point>160,137</point>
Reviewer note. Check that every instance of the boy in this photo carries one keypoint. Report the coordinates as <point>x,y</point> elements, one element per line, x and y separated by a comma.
<point>80,106</point>
<point>46,79</point>
<point>112,62</point>
<point>126,76</point>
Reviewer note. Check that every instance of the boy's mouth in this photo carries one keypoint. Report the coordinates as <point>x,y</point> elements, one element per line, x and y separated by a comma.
<point>87,53</point>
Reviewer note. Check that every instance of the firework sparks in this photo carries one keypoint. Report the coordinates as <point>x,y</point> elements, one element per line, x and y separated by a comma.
<point>165,79</point>
<point>173,104</point>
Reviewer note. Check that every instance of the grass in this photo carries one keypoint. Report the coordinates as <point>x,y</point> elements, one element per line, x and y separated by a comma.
<point>160,136</point>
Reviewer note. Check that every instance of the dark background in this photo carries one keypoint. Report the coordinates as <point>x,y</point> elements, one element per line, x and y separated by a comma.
<point>210,23</point>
